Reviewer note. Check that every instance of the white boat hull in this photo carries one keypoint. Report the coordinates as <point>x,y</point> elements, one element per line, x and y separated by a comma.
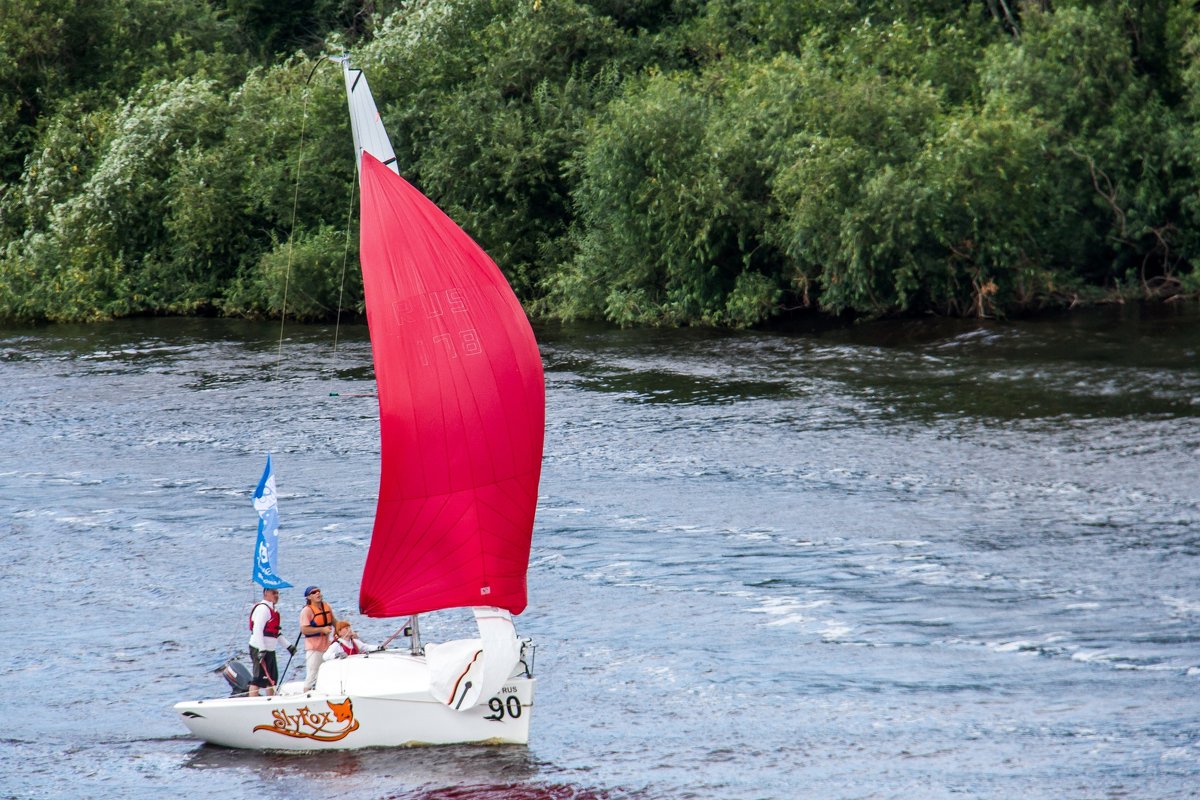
<point>376,700</point>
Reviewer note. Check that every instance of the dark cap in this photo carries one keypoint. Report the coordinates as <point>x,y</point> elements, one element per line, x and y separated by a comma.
<point>310,590</point>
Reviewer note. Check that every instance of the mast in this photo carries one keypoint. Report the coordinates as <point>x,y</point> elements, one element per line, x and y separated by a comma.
<point>365,122</point>
<point>415,630</point>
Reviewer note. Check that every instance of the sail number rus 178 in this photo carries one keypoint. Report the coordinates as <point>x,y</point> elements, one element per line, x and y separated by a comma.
<point>437,310</point>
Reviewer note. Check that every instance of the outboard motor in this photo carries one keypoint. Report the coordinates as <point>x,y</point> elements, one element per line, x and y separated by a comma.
<point>236,675</point>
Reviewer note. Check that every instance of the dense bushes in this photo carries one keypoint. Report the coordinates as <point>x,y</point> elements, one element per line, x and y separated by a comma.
<point>650,162</point>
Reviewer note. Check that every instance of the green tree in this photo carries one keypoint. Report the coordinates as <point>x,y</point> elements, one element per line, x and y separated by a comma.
<point>85,256</point>
<point>54,50</point>
<point>1113,143</point>
<point>641,161</point>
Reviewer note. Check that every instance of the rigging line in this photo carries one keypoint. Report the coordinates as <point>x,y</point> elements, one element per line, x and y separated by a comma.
<point>292,234</point>
<point>345,259</point>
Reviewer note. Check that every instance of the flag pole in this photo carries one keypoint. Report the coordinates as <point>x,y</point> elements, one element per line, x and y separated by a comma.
<point>266,545</point>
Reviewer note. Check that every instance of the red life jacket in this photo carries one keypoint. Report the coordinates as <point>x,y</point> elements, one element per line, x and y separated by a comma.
<point>352,650</point>
<point>272,627</point>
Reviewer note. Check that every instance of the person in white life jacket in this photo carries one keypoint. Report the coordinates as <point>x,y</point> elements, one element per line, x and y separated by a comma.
<point>346,643</point>
<point>265,625</point>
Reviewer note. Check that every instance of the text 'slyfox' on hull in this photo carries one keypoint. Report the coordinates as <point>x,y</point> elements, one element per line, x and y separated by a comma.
<point>462,420</point>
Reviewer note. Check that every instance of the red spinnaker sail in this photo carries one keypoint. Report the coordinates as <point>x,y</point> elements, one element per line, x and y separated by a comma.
<point>461,411</point>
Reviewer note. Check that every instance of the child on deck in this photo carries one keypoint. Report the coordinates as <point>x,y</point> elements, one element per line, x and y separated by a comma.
<point>345,642</point>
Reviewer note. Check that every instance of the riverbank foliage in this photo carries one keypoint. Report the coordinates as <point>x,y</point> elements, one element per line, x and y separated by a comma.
<point>717,162</point>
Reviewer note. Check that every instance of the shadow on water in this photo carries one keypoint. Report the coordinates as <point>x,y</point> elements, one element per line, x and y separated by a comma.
<point>465,772</point>
<point>468,764</point>
<point>510,792</point>
<point>1097,364</point>
<point>657,386</point>
<point>1105,363</point>
<point>165,338</point>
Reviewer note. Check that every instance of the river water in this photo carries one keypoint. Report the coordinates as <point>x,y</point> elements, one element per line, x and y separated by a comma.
<point>898,560</point>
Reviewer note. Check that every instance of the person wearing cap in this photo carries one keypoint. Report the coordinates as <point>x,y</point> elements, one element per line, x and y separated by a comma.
<point>346,642</point>
<point>317,624</point>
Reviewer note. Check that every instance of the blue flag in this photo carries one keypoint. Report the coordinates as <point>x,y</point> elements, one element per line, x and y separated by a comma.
<point>266,549</point>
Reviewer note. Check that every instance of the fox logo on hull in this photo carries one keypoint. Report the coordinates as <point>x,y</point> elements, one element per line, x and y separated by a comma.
<point>323,726</point>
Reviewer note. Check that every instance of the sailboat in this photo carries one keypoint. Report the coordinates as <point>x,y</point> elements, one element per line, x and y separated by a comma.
<point>462,419</point>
